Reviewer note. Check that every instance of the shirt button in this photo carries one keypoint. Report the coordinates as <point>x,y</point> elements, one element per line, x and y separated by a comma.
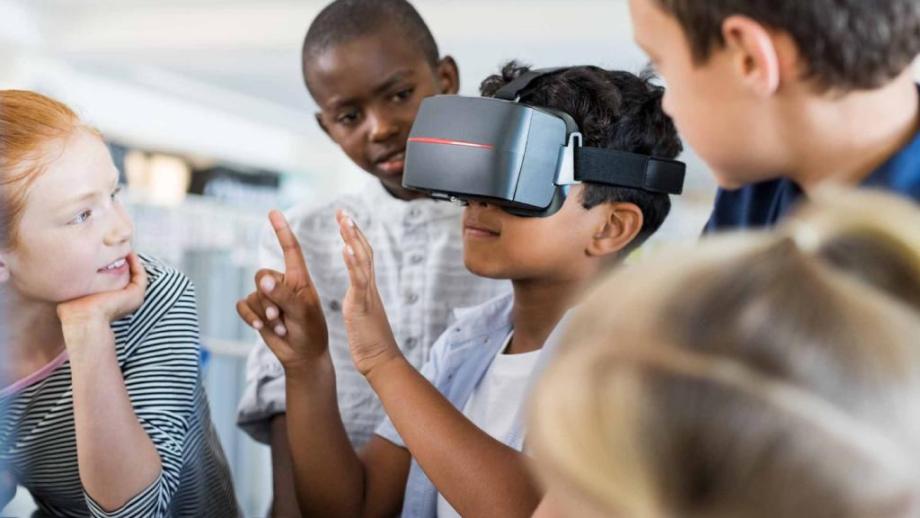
<point>417,259</point>
<point>412,298</point>
<point>411,343</point>
<point>414,212</point>
<point>334,305</point>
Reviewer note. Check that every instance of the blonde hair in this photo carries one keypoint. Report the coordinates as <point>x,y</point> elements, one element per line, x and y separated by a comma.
<point>774,374</point>
<point>29,124</point>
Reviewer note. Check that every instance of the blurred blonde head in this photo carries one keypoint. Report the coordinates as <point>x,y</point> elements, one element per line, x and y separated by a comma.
<point>759,375</point>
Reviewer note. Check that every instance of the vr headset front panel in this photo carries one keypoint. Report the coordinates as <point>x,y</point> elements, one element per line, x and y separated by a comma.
<point>480,148</point>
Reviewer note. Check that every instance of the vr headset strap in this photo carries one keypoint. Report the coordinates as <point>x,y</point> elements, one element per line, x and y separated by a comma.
<point>510,91</point>
<point>619,168</point>
<point>607,166</point>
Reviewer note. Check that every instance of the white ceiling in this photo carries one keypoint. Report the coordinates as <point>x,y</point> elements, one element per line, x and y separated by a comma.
<point>244,55</point>
<point>234,65</point>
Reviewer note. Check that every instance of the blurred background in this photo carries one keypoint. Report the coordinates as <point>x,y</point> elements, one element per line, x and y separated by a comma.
<point>203,105</point>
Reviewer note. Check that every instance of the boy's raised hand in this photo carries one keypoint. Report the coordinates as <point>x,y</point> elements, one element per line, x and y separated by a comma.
<point>370,337</point>
<point>285,308</point>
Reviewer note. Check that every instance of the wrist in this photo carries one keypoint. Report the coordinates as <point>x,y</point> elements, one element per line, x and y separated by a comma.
<point>74,320</point>
<point>82,326</point>
<point>308,368</point>
<point>86,334</point>
<point>387,368</point>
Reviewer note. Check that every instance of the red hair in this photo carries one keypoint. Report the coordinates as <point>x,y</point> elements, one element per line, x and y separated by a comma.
<point>29,124</point>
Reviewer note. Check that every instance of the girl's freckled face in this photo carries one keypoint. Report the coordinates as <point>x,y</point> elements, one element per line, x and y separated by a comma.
<point>74,232</point>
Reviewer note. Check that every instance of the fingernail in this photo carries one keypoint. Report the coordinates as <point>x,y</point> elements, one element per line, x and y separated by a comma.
<point>280,330</point>
<point>271,312</point>
<point>351,222</point>
<point>350,250</point>
<point>267,283</point>
<point>257,325</point>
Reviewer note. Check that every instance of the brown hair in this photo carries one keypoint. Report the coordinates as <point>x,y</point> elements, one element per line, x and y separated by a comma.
<point>29,124</point>
<point>765,375</point>
<point>846,44</point>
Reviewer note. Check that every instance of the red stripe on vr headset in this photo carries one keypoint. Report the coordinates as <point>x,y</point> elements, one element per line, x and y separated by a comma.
<point>448,142</point>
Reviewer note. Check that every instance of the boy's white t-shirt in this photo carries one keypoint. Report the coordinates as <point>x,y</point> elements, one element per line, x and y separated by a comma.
<point>497,401</point>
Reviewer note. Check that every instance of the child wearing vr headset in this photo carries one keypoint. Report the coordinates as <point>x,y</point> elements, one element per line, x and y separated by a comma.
<point>781,97</point>
<point>453,438</point>
<point>368,64</point>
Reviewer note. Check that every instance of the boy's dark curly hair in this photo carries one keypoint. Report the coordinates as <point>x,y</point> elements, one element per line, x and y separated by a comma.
<point>613,109</point>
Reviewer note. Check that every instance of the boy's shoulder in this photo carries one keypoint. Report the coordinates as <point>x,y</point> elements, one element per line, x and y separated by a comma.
<point>488,318</point>
<point>765,203</point>
<point>901,173</point>
<point>169,309</point>
<point>168,291</point>
<point>471,342</point>
<point>752,206</point>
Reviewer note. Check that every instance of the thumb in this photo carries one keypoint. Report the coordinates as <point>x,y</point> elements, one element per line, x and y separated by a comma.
<point>273,288</point>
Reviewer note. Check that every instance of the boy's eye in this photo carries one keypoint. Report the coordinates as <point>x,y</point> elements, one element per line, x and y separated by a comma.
<point>403,95</point>
<point>347,118</point>
<point>82,217</point>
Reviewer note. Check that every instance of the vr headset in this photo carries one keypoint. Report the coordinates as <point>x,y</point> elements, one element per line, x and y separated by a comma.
<point>519,157</point>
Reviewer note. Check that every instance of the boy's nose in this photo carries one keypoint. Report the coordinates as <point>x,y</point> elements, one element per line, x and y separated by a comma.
<point>476,206</point>
<point>382,127</point>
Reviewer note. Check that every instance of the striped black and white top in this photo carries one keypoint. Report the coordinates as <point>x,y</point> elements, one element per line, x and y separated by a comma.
<point>157,348</point>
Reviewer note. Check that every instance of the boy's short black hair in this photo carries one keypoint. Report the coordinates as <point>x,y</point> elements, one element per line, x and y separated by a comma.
<point>615,110</point>
<point>846,44</point>
<point>344,20</point>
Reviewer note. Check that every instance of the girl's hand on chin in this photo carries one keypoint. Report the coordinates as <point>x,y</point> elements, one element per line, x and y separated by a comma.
<point>107,306</point>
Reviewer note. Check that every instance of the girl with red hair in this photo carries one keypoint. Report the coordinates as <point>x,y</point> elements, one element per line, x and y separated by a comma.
<point>105,414</point>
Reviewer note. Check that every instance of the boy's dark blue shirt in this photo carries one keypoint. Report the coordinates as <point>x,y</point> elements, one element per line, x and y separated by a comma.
<point>763,204</point>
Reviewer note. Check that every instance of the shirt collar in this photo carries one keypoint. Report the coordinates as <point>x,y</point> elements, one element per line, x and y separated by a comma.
<point>485,318</point>
<point>901,172</point>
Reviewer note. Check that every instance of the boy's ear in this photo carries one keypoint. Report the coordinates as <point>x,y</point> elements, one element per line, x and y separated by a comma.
<point>448,75</point>
<point>620,228</point>
<point>756,57</point>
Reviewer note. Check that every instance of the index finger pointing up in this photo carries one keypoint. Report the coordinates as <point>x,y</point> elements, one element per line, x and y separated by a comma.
<point>295,266</point>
